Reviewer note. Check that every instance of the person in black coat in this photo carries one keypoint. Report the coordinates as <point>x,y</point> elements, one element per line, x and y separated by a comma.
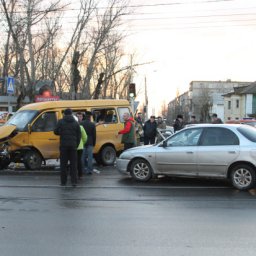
<point>178,124</point>
<point>90,129</point>
<point>150,131</point>
<point>70,136</point>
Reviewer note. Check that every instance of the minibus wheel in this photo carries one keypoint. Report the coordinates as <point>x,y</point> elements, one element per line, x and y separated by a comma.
<point>108,155</point>
<point>32,160</point>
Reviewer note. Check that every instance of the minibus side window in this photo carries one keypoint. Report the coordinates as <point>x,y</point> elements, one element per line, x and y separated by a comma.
<point>105,115</point>
<point>45,122</point>
<point>121,111</point>
<point>78,111</point>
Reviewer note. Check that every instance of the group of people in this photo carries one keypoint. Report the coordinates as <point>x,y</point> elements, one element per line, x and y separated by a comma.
<point>180,124</point>
<point>135,132</point>
<point>77,139</point>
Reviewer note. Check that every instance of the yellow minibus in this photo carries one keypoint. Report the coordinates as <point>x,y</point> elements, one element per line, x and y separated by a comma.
<point>28,136</point>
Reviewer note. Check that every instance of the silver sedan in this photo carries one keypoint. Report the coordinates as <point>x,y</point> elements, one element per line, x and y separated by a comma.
<point>226,151</point>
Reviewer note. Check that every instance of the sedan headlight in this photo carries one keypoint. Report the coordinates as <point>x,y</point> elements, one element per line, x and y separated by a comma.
<point>125,155</point>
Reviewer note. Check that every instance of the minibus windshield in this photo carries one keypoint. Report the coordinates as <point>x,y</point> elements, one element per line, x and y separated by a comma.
<point>22,118</point>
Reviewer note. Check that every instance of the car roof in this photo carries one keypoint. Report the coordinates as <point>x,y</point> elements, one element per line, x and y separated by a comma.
<point>213,125</point>
<point>74,104</point>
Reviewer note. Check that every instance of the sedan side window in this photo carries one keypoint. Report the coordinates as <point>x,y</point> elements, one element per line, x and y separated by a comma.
<point>219,137</point>
<point>188,137</point>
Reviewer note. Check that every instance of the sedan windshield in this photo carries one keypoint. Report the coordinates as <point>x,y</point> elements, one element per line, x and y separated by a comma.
<point>188,137</point>
<point>22,118</point>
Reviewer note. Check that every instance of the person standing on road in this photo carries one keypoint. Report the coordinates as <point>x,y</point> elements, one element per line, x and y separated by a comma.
<point>70,134</point>
<point>193,120</point>
<point>139,128</point>
<point>90,130</point>
<point>161,125</point>
<point>150,131</point>
<point>216,120</point>
<point>80,147</point>
<point>138,119</point>
<point>178,124</point>
<point>128,133</point>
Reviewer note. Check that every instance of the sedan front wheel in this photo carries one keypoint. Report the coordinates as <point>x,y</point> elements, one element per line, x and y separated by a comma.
<point>141,170</point>
<point>243,177</point>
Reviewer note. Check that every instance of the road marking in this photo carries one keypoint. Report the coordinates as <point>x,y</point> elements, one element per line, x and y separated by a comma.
<point>117,187</point>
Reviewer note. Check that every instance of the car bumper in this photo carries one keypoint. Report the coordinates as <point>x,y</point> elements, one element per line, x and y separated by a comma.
<point>122,165</point>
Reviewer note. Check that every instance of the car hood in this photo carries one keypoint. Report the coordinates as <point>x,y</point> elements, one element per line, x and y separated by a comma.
<point>7,132</point>
<point>138,150</point>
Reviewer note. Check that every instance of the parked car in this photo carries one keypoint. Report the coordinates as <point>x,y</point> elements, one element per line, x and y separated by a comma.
<point>5,116</point>
<point>226,151</point>
<point>251,122</point>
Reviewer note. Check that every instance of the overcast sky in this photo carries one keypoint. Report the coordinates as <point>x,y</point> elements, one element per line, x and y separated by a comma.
<point>191,40</point>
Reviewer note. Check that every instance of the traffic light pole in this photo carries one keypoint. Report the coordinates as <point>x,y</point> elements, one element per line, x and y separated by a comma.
<point>132,104</point>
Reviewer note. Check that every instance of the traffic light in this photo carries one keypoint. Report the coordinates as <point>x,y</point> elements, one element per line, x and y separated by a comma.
<point>132,90</point>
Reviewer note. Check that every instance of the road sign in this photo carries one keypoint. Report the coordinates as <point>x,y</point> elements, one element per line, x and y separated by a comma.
<point>10,84</point>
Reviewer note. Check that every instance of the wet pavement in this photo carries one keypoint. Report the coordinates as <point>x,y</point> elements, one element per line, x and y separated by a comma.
<point>109,214</point>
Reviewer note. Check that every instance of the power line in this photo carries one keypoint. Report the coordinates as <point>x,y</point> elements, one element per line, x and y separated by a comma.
<point>174,3</point>
<point>138,5</point>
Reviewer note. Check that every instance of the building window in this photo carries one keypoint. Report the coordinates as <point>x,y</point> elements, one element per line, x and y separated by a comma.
<point>229,104</point>
<point>237,103</point>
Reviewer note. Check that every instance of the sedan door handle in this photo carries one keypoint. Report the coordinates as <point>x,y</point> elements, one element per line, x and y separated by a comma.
<point>231,152</point>
<point>52,139</point>
<point>189,152</point>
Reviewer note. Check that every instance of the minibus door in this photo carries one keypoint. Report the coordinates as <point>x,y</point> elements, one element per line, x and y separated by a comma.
<point>42,136</point>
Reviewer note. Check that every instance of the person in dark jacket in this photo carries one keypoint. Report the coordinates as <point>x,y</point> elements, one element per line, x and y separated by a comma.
<point>90,130</point>
<point>70,136</point>
<point>193,120</point>
<point>150,131</point>
<point>178,124</point>
<point>128,133</point>
<point>215,119</point>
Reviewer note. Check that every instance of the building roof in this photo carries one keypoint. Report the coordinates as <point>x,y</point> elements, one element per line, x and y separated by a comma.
<point>249,89</point>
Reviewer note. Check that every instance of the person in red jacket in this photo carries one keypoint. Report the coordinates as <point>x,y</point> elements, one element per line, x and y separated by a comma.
<point>128,133</point>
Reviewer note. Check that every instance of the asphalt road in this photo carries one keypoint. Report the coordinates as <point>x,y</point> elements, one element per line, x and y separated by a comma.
<point>109,214</point>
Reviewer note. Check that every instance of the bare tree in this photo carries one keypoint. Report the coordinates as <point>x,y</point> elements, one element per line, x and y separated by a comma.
<point>30,14</point>
<point>33,34</point>
<point>106,22</point>
<point>203,103</point>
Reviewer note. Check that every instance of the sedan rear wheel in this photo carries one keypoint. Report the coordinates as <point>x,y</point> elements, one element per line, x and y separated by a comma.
<point>243,177</point>
<point>141,170</point>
